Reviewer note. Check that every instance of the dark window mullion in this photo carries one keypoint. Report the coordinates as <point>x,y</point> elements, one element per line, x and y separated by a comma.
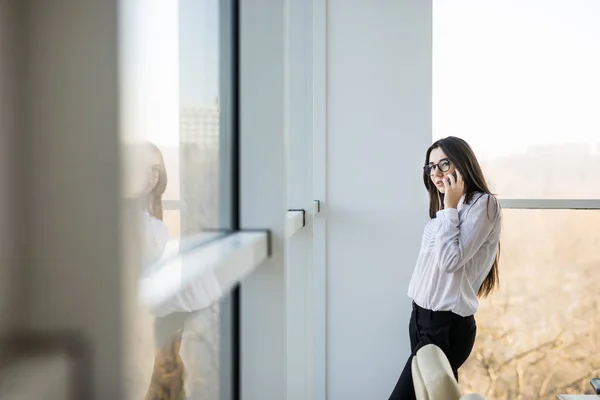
<point>230,191</point>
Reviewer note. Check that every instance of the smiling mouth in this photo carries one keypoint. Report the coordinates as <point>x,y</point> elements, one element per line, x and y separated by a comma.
<point>439,183</point>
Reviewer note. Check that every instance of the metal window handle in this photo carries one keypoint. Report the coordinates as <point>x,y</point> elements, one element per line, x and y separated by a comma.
<point>40,365</point>
<point>316,207</point>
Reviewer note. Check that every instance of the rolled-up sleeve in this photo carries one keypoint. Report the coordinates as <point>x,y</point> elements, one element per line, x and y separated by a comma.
<point>459,238</point>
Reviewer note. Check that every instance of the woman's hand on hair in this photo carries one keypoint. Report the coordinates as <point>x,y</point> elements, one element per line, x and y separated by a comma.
<point>454,189</point>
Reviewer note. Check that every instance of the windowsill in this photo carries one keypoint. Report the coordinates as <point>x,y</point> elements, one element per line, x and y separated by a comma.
<point>196,272</point>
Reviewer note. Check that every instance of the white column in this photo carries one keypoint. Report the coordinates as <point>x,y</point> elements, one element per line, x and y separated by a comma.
<point>378,129</point>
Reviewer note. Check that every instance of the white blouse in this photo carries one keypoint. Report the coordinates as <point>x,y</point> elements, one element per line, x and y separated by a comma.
<point>141,347</point>
<point>155,238</point>
<point>457,252</point>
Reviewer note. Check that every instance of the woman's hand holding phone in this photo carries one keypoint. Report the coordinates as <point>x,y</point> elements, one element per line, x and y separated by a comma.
<point>454,188</point>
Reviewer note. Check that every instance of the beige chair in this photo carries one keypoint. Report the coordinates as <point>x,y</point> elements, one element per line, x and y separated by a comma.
<point>433,377</point>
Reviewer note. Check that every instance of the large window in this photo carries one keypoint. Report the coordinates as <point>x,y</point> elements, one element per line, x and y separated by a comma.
<point>180,136</point>
<point>518,80</point>
<point>538,335</point>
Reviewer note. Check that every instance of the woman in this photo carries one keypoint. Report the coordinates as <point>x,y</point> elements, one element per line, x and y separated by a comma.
<point>458,260</point>
<point>145,184</point>
<point>167,382</point>
<point>153,175</point>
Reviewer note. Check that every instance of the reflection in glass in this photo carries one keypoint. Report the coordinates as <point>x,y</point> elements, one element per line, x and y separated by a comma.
<point>519,81</point>
<point>152,176</point>
<point>167,380</point>
<point>171,97</point>
<point>539,334</point>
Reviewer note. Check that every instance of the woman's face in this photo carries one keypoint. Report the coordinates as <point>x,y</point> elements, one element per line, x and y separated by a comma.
<point>439,168</point>
<point>150,171</point>
<point>146,167</point>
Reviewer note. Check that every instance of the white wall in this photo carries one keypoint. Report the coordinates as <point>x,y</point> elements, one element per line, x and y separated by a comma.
<point>379,127</point>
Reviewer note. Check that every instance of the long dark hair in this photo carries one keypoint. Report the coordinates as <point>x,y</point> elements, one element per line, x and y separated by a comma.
<point>168,375</point>
<point>463,158</point>
<point>155,207</point>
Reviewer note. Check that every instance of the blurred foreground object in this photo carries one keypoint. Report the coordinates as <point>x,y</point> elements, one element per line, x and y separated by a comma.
<point>433,377</point>
<point>46,367</point>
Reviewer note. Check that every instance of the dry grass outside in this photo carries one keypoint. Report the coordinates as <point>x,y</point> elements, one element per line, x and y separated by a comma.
<point>539,334</point>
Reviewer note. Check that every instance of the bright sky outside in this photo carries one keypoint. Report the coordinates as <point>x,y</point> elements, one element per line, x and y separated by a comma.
<point>158,78</point>
<point>508,74</point>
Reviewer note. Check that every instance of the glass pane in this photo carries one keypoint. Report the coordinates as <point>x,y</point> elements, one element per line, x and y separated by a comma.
<point>177,97</point>
<point>539,334</point>
<point>172,218</point>
<point>519,81</point>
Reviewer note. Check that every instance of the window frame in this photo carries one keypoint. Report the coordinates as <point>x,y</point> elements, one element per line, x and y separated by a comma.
<point>230,385</point>
<point>550,204</point>
<point>305,258</point>
<point>319,279</point>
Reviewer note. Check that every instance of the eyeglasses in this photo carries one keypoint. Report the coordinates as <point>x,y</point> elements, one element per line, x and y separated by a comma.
<point>152,169</point>
<point>443,165</point>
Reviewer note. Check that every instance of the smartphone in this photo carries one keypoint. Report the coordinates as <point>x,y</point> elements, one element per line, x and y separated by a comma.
<point>595,382</point>
<point>455,177</point>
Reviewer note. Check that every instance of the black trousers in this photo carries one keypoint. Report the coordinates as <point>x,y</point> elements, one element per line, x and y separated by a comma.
<point>454,334</point>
